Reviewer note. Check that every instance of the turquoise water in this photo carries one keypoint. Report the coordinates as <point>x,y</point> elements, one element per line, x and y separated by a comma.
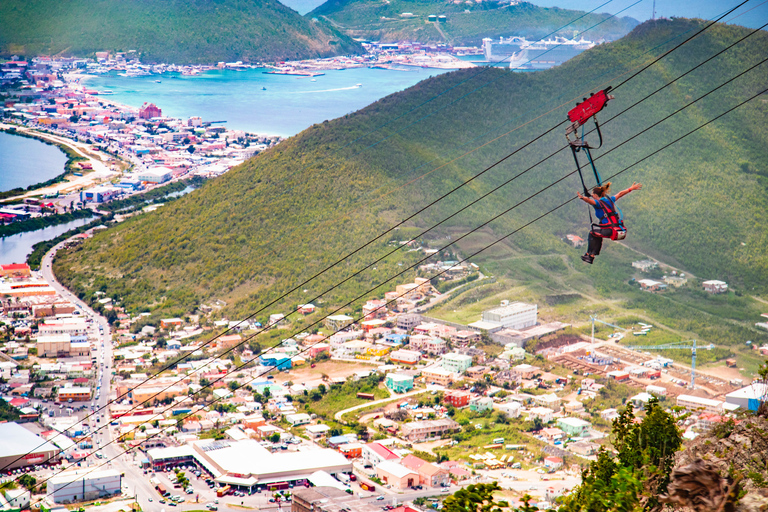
<point>16,248</point>
<point>261,103</point>
<point>25,161</point>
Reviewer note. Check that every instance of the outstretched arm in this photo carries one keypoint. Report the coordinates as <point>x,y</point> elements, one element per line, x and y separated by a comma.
<point>635,186</point>
<point>586,199</point>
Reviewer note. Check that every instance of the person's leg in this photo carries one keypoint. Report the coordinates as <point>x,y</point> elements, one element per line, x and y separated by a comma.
<point>594,244</point>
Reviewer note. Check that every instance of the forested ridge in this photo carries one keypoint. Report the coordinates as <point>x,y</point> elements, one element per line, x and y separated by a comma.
<point>465,24</point>
<point>171,31</point>
<point>282,216</point>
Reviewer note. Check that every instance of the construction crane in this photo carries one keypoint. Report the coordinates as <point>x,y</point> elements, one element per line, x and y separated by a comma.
<point>682,345</point>
<point>595,319</point>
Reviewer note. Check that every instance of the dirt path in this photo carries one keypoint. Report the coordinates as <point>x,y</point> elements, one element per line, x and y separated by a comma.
<point>339,414</point>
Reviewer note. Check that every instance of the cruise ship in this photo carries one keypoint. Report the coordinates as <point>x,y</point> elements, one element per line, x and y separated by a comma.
<point>524,54</point>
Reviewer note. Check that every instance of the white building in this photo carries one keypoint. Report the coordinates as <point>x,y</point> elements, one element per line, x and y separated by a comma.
<point>517,315</point>
<point>715,286</point>
<point>155,175</point>
<point>298,419</point>
<point>456,363</point>
<point>510,409</point>
<point>405,356</point>
<point>747,398</point>
<point>83,485</point>
<point>543,413</point>
<point>694,403</point>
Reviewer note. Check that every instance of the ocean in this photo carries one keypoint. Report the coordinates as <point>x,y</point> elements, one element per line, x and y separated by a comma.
<point>25,161</point>
<point>261,103</point>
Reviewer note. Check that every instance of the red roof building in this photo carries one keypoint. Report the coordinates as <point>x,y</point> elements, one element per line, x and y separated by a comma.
<point>15,270</point>
<point>457,398</point>
<point>149,110</point>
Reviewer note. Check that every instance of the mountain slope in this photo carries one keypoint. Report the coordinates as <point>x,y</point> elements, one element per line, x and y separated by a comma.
<point>172,31</point>
<point>285,214</point>
<point>467,22</point>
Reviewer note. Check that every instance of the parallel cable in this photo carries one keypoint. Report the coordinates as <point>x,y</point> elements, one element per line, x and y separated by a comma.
<point>484,248</point>
<point>391,229</point>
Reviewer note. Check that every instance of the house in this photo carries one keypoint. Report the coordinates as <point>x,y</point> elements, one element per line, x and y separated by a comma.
<point>574,426</point>
<point>715,286</point>
<point>584,448</point>
<point>480,403</point>
<point>351,450</point>
<point>15,270</point>
<point>456,363</point>
<point>676,281</point>
<point>510,409</point>
<point>376,453</point>
<point>645,265</point>
<point>465,337</point>
<point>149,110</point>
<point>316,431</point>
<point>525,371</point>
<point>429,474</point>
<point>457,398</point>
<point>281,362</point>
<point>609,414</point>
<point>542,413</point>
<point>338,322</point>
<point>399,383</point>
<point>170,323</point>
<point>437,375</point>
<point>306,309</point>
<point>552,433</point>
<point>426,343</point>
<point>405,356</point>
<point>553,462</point>
<point>651,285</point>
<point>618,375</point>
<point>297,419</point>
<point>422,430</point>
<point>576,240</point>
<point>550,400</point>
<point>396,475</point>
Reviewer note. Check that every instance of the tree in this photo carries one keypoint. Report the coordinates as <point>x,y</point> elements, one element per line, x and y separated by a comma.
<point>475,498</point>
<point>27,481</point>
<point>635,478</point>
<point>275,438</point>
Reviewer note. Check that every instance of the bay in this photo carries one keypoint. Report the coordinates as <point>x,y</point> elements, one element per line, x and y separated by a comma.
<point>257,102</point>
<point>25,161</point>
<point>16,248</point>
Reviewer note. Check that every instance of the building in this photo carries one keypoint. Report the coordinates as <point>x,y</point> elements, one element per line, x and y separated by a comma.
<point>396,475</point>
<point>553,462</point>
<point>542,413</point>
<point>426,343</point>
<point>480,403</point>
<point>74,394</point>
<point>525,371</point>
<point>15,270</point>
<point>20,448</point>
<point>457,398</point>
<point>422,430</point>
<point>155,175</point>
<point>405,356</point>
<point>280,362</point>
<point>53,346</point>
<point>297,419</point>
<point>748,398</point>
<point>429,474</point>
<point>574,426</point>
<point>84,485</point>
<point>399,383</point>
<point>246,465</point>
<point>75,327</point>
<point>351,450</point>
<point>456,363</point>
<point>465,337</point>
<point>715,286</point>
<point>338,322</point>
<point>651,285</point>
<point>149,110</point>
<point>645,265</point>
<point>693,403</point>
<point>517,315</point>
<point>408,321</point>
<point>676,281</point>
<point>328,495</point>
<point>510,409</point>
<point>376,453</point>
<point>437,375</point>
<point>658,391</point>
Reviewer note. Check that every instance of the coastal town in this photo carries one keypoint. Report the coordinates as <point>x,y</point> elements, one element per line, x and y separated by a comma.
<point>393,408</point>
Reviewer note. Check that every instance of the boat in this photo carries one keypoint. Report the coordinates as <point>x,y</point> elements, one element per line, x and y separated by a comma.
<point>263,88</point>
<point>313,80</point>
<point>158,81</point>
<point>358,85</point>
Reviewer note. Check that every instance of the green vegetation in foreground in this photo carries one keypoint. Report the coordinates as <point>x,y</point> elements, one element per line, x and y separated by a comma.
<point>42,222</point>
<point>466,24</point>
<point>8,412</point>
<point>284,215</point>
<point>171,31</point>
<point>69,166</point>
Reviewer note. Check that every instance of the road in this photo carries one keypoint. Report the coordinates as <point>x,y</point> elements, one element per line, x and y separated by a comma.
<point>134,481</point>
<point>339,414</point>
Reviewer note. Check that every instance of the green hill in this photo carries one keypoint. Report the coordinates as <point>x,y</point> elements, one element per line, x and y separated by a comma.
<point>467,22</point>
<point>284,215</point>
<point>171,31</point>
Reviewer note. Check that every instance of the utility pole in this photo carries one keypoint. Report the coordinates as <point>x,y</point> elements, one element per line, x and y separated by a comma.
<point>653,16</point>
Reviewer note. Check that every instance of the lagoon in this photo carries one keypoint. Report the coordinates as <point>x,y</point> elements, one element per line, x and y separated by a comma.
<point>25,161</point>
<point>16,248</point>
<point>257,102</point>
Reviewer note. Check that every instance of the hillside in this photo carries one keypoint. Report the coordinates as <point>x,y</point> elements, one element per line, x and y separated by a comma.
<point>171,31</point>
<point>282,216</point>
<point>467,22</point>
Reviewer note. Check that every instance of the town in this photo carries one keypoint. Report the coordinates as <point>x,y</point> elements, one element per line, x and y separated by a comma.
<point>391,409</point>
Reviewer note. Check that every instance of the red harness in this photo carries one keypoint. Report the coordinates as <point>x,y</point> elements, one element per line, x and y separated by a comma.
<point>615,222</point>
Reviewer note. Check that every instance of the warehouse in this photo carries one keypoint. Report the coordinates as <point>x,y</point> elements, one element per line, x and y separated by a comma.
<point>84,485</point>
<point>248,465</point>
<point>19,447</point>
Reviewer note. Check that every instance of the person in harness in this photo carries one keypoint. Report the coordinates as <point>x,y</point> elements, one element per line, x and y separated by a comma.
<point>611,222</point>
